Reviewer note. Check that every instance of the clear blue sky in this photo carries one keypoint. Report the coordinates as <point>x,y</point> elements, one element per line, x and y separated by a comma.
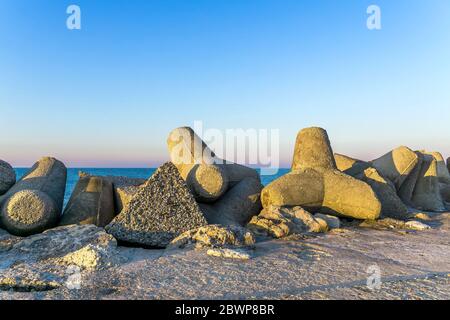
<point>108,95</point>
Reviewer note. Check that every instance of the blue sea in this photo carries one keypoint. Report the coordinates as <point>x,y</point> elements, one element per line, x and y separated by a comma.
<point>72,175</point>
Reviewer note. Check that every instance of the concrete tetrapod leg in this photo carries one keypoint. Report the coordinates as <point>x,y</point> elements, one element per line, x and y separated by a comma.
<point>396,165</point>
<point>445,191</point>
<point>207,176</point>
<point>391,204</point>
<point>124,188</point>
<point>197,165</point>
<point>7,177</point>
<point>237,206</point>
<point>448,164</point>
<point>92,202</point>
<point>34,203</point>
<point>236,173</point>
<point>300,188</point>
<point>350,166</point>
<point>406,191</point>
<point>329,191</point>
<point>313,150</point>
<point>427,193</point>
<point>348,197</point>
<point>442,171</point>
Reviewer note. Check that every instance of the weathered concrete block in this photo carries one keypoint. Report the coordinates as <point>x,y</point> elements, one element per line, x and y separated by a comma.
<point>7,177</point>
<point>237,206</point>
<point>350,166</point>
<point>123,196</point>
<point>442,171</point>
<point>313,150</point>
<point>348,197</point>
<point>162,209</point>
<point>396,165</point>
<point>330,191</point>
<point>207,176</point>
<point>197,165</point>
<point>207,182</point>
<point>391,204</point>
<point>427,194</point>
<point>406,190</point>
<point>124,188</point>
<point>91,202</point>
<point>236,173</point>
<point>301,188</point>
<point>315,183</point>
<point>34,203</point>
<point>445,191</point>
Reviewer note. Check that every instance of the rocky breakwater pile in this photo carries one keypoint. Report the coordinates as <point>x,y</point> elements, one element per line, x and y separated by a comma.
<point>196,199</point>
<point>404,179</point>
<point>227,193</point>
<point>203,202</point>
<point>323,187</point>
<point>314,185</point>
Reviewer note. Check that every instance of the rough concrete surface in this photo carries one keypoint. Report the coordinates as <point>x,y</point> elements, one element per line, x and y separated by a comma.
<point>160,211</point>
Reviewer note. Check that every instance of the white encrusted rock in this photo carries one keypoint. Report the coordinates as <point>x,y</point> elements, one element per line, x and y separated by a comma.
<point>280,222</point>
<point>416,225</point>
<point>215,236</point>
<point>41,262</point>
<point>332,221</point>
<point>239,254</point>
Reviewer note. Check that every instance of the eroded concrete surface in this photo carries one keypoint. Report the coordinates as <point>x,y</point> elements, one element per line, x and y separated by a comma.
<point>413,265</point>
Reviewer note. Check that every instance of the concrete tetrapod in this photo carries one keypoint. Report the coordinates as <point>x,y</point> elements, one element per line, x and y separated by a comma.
<point>35,202</point>
<point>207,176</point>
<point>92,202</point>
<point>391,204</point>
<point>197,165</point>
<point>237,206</point>
<point>315,183</point>
<point>7,177</point>
<point>406,191</point>
<point>442,171</point>
<point>396,165</point>
<point>124,188</point>
<point>427,193</point>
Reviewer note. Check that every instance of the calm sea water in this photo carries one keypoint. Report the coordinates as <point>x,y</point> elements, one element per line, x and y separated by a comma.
<point>72,175</point>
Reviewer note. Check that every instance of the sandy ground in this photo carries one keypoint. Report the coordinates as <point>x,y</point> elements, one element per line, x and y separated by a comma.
<point>412,265</point>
